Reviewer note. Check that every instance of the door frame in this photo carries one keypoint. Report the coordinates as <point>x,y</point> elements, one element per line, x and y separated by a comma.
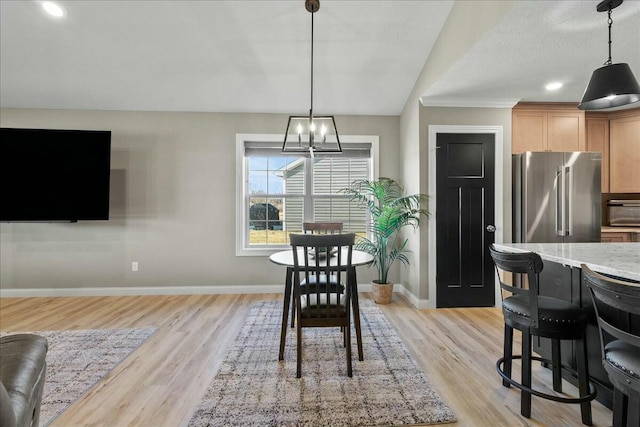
<point>497,131</point>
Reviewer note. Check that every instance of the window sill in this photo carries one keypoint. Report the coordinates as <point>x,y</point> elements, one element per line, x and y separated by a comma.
<point>260,251</point>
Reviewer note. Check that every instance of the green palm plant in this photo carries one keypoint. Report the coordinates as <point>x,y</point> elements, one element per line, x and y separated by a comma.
<point>390,212</point>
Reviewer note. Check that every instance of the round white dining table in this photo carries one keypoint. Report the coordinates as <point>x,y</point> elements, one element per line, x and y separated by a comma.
<point>285,258</point>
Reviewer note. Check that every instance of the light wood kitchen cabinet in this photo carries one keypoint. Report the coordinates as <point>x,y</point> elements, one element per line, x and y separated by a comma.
<point>615,237</point>
<point>547,127</point>
<point>598,140</point>
<point>624,154</point>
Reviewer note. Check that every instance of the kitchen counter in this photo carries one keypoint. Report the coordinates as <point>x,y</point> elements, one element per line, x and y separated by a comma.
<point>618,259</point>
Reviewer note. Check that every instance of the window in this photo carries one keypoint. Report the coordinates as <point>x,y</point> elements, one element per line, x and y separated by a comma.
<point>278,191</point>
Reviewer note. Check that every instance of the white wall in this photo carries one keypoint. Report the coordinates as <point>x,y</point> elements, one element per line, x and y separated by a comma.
<point>172,205</point>
<point>468,21</point>
<point>499,117</point>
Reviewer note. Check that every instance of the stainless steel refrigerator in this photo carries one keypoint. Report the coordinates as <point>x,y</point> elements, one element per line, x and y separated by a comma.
<point>556,197</point>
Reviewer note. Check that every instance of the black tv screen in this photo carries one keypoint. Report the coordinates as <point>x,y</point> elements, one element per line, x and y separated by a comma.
<point>54,175</point>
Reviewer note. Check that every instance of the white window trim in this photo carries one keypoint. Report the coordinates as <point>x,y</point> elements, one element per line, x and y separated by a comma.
<point>241,140</point>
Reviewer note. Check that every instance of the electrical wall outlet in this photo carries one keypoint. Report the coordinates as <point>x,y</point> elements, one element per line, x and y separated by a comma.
<point>134,266</point>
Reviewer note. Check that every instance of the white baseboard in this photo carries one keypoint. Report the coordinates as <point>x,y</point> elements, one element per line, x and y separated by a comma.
<point>181,290</point>
<point>409,296</point>
<point>148,290</point>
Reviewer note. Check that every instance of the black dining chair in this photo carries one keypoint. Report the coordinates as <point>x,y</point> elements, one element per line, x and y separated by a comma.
<point>535,315</point>
<point>614,300</point>
<point>326,306</point>
<point>321,281</point>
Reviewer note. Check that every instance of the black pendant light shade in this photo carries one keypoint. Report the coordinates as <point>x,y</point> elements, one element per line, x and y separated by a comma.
<point>611,85</point>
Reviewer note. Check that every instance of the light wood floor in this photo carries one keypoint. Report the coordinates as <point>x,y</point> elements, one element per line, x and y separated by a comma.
<point>161,383</point>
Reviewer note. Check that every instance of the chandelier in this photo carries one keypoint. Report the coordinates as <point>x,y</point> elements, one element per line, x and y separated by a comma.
<point>311,134</point>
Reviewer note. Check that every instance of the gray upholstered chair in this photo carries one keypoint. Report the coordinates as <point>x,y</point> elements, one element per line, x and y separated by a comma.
<point>22,376</point>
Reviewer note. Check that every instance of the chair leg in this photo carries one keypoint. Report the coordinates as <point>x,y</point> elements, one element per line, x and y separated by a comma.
<point>525,397</point>
<point>299,349</point>
<point>556,362</point>
<point>633,408</point>
<point>293,312</point>
<point>347,337</point>
<point>620,405</point>
<point>507,353</point>
<point>285,312</point>
<point>352,281</point>
<point>583,379</point>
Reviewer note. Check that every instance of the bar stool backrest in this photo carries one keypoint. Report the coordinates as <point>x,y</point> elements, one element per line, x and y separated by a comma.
<point>608,293</point>
<point>523,264</point>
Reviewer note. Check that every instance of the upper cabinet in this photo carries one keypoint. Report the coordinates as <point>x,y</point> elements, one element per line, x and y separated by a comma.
<point>547,127</point>
<point>598,140</point>
<point>624,153</point>
<point>562,127</point>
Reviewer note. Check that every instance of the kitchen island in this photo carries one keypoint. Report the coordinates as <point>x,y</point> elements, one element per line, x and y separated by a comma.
<point>562,278</point>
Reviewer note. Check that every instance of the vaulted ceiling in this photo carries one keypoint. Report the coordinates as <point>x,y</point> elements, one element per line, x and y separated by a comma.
<point>254,56</point>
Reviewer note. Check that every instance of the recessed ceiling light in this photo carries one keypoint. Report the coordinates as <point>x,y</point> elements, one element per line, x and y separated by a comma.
<point>553,86</point>
<point>53,9</point>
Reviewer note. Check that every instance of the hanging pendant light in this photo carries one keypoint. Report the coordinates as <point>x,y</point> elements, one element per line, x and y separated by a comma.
<point>612,85</point>
<point>311,134</point>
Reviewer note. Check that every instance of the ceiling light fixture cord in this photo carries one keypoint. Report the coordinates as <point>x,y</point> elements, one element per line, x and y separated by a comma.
<point>610,21</point>
<point>311,108</point>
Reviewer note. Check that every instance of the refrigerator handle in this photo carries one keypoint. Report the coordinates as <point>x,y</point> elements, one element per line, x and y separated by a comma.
<point>559,188</point>
<point>568,176</point>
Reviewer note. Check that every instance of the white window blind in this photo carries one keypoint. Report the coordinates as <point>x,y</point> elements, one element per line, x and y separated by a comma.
<point>281,191</point>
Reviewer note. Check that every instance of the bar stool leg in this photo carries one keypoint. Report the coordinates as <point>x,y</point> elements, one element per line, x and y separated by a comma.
<point>525,398</point>
<point>508,353</point>
<point>556,361</point>
<point>633,406</point>
<point>583,379</point>
<point>619,408</point>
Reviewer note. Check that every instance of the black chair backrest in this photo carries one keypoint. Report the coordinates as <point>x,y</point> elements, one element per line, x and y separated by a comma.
<point>322,227</point>
<point>610,296</point>
<point>316,255</point>
<point>521,264</point>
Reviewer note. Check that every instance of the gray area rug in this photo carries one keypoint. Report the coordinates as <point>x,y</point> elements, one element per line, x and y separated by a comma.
<point>253,388</point>
<point>77,360</point>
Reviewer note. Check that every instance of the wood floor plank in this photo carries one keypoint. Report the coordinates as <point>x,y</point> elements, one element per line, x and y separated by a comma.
<point>161,383</point>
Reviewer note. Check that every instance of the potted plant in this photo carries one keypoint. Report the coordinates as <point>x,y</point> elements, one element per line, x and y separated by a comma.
<point>390,212</point>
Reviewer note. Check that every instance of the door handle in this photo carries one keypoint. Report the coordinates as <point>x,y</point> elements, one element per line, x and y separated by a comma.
<point>491,228</point>
<point>569,200</point>
<point>560,203</point>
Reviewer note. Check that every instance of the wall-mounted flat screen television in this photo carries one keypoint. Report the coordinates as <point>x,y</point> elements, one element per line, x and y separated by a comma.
<point>52,175</point>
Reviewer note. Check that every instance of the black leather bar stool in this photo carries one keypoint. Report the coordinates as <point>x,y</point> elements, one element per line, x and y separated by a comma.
<point>535,315</point>
<point>614,300</point>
